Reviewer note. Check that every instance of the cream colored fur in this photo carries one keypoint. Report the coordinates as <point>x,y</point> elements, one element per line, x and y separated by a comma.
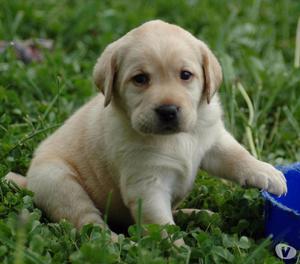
<point>115,144</point>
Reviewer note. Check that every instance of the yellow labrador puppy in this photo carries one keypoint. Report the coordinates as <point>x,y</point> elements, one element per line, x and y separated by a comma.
<point>156,122</point>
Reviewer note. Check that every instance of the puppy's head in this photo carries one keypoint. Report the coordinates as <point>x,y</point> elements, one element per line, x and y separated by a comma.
<point>158,74</point>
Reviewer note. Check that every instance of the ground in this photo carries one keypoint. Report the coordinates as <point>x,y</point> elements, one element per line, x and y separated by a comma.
<point>255,42</point>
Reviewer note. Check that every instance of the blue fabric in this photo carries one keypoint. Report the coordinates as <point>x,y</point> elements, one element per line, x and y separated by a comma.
<point>282,214</point>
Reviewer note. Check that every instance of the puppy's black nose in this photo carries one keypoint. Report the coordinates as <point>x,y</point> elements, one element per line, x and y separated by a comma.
<point>167,113</point>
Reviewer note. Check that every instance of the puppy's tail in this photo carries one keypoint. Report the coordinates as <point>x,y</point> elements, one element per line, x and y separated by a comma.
<point>18,179</point>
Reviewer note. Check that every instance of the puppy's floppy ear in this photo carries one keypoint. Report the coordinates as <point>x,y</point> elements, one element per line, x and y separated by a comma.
<point>104,73</point>
<point>212,72</point>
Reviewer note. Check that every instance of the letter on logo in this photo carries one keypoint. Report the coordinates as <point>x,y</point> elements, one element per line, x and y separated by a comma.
<point>284,251</point>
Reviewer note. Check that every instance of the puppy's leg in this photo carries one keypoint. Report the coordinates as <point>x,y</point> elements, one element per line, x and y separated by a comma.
<point>58,193</point>
<point>228,159</point>
<point>190,211</point>
<point>155,208</point>
<point>18,179</point>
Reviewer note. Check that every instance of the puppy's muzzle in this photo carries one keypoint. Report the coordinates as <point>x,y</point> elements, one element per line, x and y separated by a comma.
<point>168,116</point>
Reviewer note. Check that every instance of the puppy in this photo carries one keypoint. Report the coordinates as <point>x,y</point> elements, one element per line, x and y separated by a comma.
<point>156,122</point>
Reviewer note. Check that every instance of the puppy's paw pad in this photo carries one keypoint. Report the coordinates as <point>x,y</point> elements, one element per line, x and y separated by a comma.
<point>265,176</point>
<point>276,180</point>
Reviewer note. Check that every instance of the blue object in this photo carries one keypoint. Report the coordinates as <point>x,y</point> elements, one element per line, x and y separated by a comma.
<point>282,215</point>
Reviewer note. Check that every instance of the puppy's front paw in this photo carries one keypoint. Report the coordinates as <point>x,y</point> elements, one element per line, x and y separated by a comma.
<point>179,242</point>
<point>264,176</point>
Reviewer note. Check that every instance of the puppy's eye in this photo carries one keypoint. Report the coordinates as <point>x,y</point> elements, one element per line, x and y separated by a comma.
<point>141,79</point>
<point>185,75</point>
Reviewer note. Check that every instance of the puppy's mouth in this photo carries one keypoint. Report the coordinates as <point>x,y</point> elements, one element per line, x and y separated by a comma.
<point>160,129</point>
<point>166,129</point>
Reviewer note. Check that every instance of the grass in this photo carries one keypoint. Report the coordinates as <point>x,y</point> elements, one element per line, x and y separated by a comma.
<point>255,42</point>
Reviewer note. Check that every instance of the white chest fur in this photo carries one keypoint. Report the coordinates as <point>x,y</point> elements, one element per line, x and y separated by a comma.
<point>169,163</point>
